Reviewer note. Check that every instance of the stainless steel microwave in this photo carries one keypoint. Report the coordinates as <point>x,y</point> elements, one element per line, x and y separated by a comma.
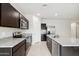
<point>23,24</point>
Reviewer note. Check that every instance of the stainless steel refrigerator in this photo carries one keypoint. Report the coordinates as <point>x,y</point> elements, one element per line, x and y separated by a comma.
<point>43,31</point>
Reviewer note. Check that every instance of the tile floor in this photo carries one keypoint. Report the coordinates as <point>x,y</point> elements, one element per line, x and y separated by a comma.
<point>39,49</point>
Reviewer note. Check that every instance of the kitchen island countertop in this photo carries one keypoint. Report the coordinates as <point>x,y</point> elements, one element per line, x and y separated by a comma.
<point>66,42</point>
<point>10,42</point>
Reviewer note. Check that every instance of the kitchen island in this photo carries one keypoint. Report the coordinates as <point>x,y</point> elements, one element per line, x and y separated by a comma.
<point>63,46</point>
<point>12,46</point>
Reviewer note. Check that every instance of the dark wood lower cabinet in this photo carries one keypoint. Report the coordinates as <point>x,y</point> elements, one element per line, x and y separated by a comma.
<point>18,50</point>
<point>70,51</point>
<point>43,37</point>
<point>28,43</point>
<point>49,44</point>
<point>5,51</point>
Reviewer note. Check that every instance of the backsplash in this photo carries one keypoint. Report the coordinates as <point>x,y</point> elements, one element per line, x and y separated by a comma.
<point>7,32</point>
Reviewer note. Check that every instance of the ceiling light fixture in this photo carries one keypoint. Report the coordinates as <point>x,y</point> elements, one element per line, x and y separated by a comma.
<point>38,14</point>
<point>44,5</point>
<point>56,14</point>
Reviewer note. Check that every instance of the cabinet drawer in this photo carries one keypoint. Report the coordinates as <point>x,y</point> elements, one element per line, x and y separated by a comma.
<point>5,51</point>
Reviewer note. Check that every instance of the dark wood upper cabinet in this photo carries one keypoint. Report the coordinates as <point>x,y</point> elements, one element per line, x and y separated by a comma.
<point>9,16</point>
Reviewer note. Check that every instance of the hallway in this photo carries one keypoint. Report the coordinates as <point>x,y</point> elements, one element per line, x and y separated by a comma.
<point>39,49</point>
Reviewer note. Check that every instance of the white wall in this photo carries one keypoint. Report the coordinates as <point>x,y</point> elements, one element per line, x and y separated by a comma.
<point>73,30</point>
<point>36,29</point>
<point>63,26</point>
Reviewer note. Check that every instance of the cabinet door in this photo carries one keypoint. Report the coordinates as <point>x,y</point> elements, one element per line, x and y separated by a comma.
<point>43,37</point>
<point>28,41</point>
<point>19,49</point>
<point>20,52</point>
<point>49,44</point>
<point>9,16</point>
<point>55,48</point>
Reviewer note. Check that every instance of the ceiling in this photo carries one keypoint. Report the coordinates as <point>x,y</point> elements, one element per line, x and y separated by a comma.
<point>50,10</point>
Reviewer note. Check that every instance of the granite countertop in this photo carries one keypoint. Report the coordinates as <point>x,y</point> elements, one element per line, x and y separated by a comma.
<point>65,42</point>
<point>10,42</point>
<point>27,35</point>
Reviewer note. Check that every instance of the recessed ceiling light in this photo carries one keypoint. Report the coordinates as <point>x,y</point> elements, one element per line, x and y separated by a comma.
<point>38,14</point>
<point>44,5</point>
<point>56,14</point>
